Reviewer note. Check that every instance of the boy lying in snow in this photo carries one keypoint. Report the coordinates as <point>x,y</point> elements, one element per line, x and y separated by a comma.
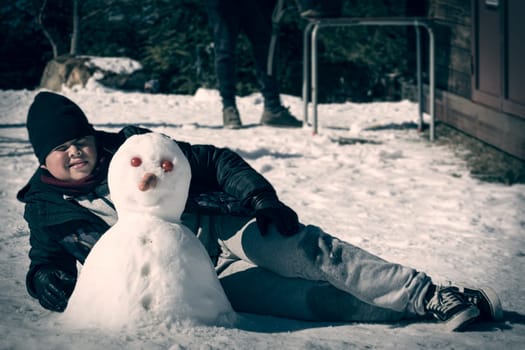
<point>267,261</point>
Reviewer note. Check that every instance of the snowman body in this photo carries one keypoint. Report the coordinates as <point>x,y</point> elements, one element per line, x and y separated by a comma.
<point>148,269</point>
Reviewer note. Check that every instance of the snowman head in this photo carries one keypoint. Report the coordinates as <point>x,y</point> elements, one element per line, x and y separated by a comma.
<point>149,174</point>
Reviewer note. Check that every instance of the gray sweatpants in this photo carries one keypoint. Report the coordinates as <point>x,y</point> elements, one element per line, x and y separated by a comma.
<point>309,276</point>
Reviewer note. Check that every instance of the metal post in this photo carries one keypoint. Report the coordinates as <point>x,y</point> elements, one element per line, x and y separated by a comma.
<point>419,84</point>
<point>432,83</point>
<point>314,77</point>
<point>306,69</point>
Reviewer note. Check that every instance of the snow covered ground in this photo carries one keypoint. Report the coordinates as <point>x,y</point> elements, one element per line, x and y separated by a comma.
<point>400,196</point>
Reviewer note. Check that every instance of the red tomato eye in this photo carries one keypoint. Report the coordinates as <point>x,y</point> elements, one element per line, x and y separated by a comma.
<point>166,165</point>
<point>136,161</point>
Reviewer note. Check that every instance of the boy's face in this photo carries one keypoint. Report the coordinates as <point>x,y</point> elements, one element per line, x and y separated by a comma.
<point>72,160</point>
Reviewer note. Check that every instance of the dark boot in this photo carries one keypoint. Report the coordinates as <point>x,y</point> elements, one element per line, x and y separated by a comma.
<point>231,118</point>
<point>280,117</point>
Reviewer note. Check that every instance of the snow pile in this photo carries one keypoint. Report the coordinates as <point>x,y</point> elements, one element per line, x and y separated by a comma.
<point>118,65</point>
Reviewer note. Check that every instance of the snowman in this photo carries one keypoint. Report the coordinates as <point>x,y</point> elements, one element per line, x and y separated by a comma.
<point>148,269</point>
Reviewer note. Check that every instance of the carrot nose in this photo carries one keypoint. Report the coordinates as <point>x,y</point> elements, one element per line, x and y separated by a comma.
<point>148,181</point>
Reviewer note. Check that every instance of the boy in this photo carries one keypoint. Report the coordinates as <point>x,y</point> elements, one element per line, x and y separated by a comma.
<point>267,261</point>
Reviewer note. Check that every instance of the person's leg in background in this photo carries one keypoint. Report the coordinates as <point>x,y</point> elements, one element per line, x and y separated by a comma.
<point>224,20</point>
<point>256,23</point>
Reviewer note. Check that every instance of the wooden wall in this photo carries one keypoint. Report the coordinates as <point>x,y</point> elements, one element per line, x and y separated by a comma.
<point>452,20</point>
<point>454,105</point>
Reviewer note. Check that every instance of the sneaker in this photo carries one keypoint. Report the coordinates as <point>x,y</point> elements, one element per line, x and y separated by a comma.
<point>280,118</point>
<point>448,305</point>
<point>231,118</point>
<point>486,300</point>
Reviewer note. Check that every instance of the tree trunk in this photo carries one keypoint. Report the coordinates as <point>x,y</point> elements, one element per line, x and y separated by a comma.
<point>75,32</point>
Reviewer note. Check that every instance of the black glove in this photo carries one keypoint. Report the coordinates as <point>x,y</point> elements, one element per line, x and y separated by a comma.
<point>268,209</point>
<point>53,287</point>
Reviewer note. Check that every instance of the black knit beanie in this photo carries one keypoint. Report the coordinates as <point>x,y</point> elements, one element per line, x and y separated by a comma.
<point>52,120</point>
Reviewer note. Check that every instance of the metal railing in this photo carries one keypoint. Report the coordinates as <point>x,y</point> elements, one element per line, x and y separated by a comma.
<point>310,38</point>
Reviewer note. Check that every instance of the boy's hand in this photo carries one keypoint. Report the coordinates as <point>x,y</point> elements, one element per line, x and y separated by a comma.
<point>268,209</point>
<point>53,287</point>
<point>283,217</point>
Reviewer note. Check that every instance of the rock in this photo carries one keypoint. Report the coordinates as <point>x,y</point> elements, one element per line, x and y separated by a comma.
<point>72,71</point>
<point>65,70</point>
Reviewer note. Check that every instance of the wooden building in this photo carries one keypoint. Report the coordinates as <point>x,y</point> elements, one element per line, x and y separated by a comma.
<point>480,69</point>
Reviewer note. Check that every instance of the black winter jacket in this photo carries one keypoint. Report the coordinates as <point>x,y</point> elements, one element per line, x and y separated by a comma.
<point>62,231</point>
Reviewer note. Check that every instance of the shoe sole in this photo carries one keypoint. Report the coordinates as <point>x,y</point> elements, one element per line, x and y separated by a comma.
<point>461,320</point>
<point>283,126</point>
<point>232,127</point>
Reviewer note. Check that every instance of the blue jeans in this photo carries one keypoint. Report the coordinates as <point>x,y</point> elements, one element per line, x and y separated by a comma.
<point>227,18</point>
<point>309,276</point>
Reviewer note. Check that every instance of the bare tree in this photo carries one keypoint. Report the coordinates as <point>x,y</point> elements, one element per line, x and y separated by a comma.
<point>75,33</point>
<point>40,22</point>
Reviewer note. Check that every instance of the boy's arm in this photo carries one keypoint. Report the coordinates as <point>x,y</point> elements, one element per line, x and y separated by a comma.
<point>46,252</point>
<point>52,272</point>
<point>222,169</point>
<point>54,253</point>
